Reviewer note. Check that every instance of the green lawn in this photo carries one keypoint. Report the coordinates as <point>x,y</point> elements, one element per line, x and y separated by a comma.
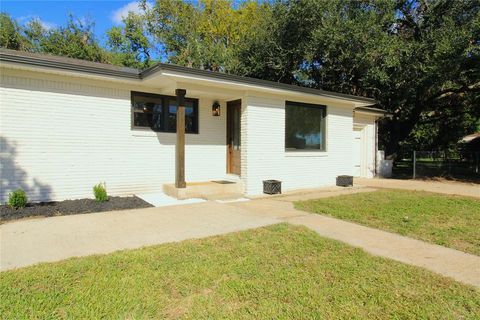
<point>450,221</point>
<point>277,272</point>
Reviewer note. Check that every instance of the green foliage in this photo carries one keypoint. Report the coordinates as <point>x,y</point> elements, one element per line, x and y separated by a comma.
<point>75,40</point>
<point>17,199</point>
<point>130,42</point>
<point>419,59</point>
<point>36,33</point>
<point>205,35</point>
<point>100,192</point>
<point>10,34</point>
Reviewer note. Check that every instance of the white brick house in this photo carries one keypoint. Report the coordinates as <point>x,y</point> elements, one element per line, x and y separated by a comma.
<point>67,124</point>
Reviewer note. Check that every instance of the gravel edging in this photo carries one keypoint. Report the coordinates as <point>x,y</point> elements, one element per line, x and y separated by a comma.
<point>68,207</point>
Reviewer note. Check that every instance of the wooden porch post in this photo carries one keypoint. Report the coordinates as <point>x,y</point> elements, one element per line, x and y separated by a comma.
<point>180,143</point>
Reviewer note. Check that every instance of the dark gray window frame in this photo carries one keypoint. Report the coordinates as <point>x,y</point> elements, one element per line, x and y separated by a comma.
<point>165,106</point>
<point>323,126</point>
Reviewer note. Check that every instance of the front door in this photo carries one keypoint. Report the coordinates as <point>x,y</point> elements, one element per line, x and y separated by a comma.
<point>234,111</point>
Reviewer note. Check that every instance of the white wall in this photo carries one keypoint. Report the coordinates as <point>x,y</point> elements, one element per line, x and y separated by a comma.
<point>60,136</point>
<point>366,124</point>
<point>263,148</point>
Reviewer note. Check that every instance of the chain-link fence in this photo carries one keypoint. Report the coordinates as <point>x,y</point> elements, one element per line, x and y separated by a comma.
<point>421,164</point>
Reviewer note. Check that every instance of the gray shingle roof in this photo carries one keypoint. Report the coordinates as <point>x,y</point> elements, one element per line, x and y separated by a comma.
<point>64,63</point>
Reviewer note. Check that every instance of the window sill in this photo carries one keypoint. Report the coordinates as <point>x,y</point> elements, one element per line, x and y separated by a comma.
<point>301,154</point>
<point>150,133</point>
<point>143,133</point>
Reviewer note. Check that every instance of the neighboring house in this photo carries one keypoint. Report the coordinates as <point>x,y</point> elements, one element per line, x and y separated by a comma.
<point>67,124</point>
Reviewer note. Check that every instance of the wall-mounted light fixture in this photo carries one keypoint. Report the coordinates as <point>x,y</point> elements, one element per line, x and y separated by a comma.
<point>216,109</point>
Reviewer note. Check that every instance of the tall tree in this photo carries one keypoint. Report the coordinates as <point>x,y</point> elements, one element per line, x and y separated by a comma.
<point>75,40</point>
<point>205,35</point>
<point>131,43</point>
<point>35,32</point>
<point>420,59</point>
<point>11,36</point>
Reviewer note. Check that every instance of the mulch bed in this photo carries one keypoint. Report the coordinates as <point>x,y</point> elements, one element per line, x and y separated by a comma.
<point>67,207</point>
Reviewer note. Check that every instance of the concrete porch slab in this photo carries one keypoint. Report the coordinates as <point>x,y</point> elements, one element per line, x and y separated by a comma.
<point>160,199</point>
<point>215,189</point>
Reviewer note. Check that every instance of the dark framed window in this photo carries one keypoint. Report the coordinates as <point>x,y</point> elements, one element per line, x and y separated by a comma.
<point>159,112</point>
<point>305,127</point>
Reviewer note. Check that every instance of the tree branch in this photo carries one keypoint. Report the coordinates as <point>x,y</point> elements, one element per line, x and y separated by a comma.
<point>451,91</point>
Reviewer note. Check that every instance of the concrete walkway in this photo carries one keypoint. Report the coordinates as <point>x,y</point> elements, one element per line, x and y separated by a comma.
<point>445,187</point>
<point>448,262</point>
<point>27,242</point>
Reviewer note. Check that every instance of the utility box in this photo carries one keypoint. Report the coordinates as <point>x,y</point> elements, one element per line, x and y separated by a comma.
<point>272,186</point>
<point>345,181</point>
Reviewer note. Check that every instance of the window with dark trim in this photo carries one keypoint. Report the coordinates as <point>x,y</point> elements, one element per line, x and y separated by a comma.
<point>305,127</point>
<point>159,113</point>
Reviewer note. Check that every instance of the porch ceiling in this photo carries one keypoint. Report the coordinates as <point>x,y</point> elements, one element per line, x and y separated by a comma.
<point>194,87</point>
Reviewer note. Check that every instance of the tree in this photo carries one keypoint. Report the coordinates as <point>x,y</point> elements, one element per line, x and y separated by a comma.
<point>35,33</point>
<point>206,35</point>
<point>75,40</point>
<point>131,44</point>
<point>419,59</point>
<point>439,75</point>
<point>11,36</point>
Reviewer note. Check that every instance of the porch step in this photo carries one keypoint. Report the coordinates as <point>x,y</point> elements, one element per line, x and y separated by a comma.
<point>224,197</point>
<point>205,190</point>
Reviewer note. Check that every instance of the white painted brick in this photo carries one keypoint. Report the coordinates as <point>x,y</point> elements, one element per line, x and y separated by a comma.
<point>264,155</point>
<point>59,138</point>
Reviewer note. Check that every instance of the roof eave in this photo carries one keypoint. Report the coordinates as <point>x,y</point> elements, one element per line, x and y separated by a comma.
<point>61,65</point>
<point>86,67</point>
<point>373,111</point>
<point>165,68</point>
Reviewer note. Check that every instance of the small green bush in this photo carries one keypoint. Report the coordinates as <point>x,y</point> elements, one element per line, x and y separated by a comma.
<point>100,192</point>
<point>17,199</point>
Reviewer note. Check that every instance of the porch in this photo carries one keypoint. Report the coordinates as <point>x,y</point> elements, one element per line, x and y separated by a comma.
<point>209,190</point>
<point>199,172</point>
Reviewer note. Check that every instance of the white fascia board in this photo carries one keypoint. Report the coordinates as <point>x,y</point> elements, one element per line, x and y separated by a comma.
<point>250,89</point>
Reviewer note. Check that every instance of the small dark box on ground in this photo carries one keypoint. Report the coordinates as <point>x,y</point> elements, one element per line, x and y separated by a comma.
<point>345,181</point>
<point>272,186</point>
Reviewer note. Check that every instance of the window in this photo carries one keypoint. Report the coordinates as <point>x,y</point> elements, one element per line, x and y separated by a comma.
<point>304,126</point>
<point>159,113</point>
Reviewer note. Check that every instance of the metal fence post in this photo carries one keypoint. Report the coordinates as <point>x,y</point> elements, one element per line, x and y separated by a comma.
<point>449,162</point>
<point>414,164</point>
<point>477,156</point>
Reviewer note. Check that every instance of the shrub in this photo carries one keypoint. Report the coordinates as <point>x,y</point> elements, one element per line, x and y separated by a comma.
<point>17,199</point>
<point>100,192</point>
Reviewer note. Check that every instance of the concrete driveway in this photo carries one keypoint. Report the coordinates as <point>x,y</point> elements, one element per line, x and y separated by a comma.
<point>445,187</point>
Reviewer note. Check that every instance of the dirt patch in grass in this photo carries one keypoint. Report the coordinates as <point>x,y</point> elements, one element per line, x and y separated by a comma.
<point>67,207</point>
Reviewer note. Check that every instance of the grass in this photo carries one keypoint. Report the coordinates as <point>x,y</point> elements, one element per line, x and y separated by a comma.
<point>276,272</point>
<point>451,221</point>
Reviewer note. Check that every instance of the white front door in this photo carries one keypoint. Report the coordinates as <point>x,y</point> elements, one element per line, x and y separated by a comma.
<point>357,152</point>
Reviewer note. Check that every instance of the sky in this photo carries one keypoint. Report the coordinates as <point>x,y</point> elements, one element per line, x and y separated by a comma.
<point>105,13</point>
